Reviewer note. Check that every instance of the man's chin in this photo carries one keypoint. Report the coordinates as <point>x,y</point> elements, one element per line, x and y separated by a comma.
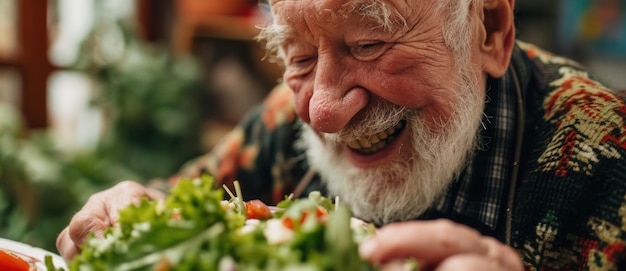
<point>378,195</point>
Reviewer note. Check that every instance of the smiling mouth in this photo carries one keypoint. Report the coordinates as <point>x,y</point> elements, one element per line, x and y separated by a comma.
<point>373,143</point>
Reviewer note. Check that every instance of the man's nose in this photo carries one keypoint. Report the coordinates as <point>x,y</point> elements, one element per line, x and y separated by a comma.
<point>337,96</point>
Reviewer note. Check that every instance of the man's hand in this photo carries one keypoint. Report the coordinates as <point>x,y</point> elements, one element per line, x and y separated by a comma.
<point>100,212</point>
<point>439,245</point>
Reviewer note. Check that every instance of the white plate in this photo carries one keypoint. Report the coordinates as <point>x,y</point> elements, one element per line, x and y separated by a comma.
<point>37,255</point>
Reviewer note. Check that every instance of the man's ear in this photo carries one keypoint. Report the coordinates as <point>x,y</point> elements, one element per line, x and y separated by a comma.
<point>498,36</point>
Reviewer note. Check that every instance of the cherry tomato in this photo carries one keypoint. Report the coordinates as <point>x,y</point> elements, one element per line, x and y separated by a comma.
<point>10,262</point>
<point>256,209</point>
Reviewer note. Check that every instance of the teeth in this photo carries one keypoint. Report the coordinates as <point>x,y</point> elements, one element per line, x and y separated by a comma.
<point>383,135</point>
<point>354,144</point>
<point>364,142</point>
<point>391,130</point>
<point>373,143</point>
<point>374,139</point>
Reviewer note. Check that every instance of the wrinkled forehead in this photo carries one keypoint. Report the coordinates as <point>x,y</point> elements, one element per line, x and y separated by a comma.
<point>327,12</point>
<point>288,9</point>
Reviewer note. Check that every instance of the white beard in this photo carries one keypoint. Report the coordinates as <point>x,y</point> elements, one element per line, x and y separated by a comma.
<point>404,188</point>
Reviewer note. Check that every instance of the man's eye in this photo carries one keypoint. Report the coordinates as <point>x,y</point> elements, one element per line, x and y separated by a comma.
<point>301,65</point>
<point>302,60</point>
<point>368,50</point>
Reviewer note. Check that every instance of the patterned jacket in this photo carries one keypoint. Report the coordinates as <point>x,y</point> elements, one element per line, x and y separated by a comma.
<point>568,208</point>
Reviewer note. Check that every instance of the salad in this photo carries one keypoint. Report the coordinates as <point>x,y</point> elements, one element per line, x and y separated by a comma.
<point>196,229</point>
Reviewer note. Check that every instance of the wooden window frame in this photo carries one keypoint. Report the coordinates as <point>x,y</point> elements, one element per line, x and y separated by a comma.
<point>31,61</point>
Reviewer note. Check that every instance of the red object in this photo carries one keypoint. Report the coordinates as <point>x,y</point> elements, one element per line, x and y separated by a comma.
<point>11,262</point>
<point>256,209</point>
<point>288,222</point>
<point>320,214</point>
<point>213,7</point>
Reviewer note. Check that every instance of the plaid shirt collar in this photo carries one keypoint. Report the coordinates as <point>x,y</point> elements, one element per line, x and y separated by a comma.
<point>480,190</point>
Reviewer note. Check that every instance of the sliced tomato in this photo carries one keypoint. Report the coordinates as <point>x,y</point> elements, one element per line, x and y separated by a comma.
<point>288,222</point>
<point>320,213</point>
<point>256,209</point>
<point>10,262</point>
<point>176,216</point>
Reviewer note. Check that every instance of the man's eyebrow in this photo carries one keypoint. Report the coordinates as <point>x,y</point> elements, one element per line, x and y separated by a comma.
<point>379,12</point>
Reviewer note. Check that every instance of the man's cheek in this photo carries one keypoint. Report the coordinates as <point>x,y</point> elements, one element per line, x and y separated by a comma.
<point>301,100</point>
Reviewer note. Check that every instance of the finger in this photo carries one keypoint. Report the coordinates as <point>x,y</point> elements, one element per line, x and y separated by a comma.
<point>499,257</point>
<point>107,204</point>
<point>502,254</point>
<point>429,242</point>
<point>66,247</point>
<point>470,262</point>
<point>102,210</point>
<point>155,194</point>
<point>84,223</point>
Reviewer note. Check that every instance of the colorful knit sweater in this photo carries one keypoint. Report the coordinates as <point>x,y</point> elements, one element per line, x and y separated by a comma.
<point>569,205</point>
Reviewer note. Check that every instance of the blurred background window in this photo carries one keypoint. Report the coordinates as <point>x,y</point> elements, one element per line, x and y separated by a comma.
<point>593,27</point>
<point>594,32</point>
<point>8,27</point>
<point>73,123</point>
<point>73,20</point>
<point>10,82</point>
<point>9,76</point>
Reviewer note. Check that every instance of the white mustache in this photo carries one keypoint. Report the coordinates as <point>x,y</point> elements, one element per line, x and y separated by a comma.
<point>371,121</point>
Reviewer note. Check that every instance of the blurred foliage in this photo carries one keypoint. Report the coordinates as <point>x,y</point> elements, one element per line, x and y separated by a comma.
<point>41,186</point>
<point>153,107</point>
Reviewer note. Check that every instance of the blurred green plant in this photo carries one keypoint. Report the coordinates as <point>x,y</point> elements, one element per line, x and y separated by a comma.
<point>153,106</point>
<point>41,186</point>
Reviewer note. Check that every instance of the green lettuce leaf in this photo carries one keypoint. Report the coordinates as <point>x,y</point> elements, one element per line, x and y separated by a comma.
<point>196,229</point>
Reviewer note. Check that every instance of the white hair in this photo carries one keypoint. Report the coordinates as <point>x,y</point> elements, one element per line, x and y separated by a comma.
<point>378,11</point>
<point>386,16</point>
<point>456,17</point>
<point>456,27</point>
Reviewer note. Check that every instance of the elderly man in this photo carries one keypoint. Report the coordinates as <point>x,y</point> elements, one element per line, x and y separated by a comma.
<point>472,150</point>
